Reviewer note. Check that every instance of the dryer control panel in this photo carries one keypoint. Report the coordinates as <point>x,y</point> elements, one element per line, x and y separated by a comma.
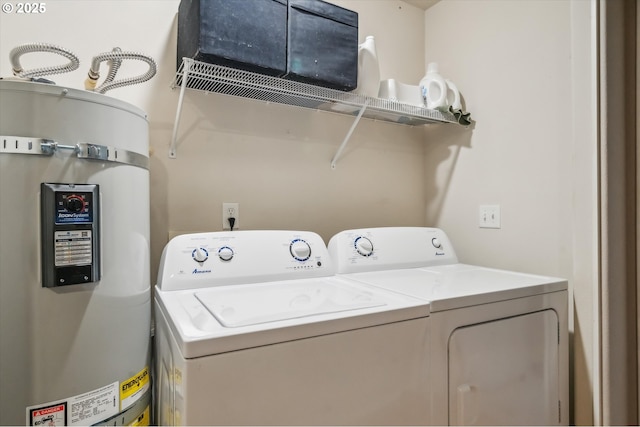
<point>70,219</point>
<point>387,248</point>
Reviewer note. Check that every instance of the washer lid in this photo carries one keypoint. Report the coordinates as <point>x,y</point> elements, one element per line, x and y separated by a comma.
<point>275,312</point>
<point>263,303</point>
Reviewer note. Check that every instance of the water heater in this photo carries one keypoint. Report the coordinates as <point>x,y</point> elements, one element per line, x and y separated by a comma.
<point>74,258</point>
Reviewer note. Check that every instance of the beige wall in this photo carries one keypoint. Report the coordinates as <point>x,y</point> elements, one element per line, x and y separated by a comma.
<point>512,60</point>
<point>273,160</point>
<point>526,70</point>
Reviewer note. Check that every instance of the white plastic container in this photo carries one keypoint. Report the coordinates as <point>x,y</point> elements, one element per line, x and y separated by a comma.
<point>368,68</point>
<point>396,91</point>
<point>434,89</point>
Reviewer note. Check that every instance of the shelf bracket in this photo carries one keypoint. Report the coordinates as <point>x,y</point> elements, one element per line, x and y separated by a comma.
<point>176,123</point>
<point>348,136</point>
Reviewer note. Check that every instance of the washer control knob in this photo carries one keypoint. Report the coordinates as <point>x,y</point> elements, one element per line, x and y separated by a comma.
<point>300,250</point>
<point>225,253</point>
<point>436,243</point>
<point>363,246</point>
<point>200,254</point>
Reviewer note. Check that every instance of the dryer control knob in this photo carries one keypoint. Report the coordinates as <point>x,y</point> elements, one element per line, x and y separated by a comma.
<point>363,246</point>
<point>436,243</point>
<point>225,253</point>
<point>300,250</point>
<point>200,254</point>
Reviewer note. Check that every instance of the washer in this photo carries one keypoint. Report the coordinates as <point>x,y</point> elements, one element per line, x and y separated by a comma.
<point>499,339</point>
<point>253,327</point>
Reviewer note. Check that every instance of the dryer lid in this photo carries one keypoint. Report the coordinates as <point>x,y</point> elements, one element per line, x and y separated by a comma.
<point>253,305</point>
<point>447,287</point>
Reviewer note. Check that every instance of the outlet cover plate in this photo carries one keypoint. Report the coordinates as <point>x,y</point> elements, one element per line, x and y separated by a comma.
<point>230,210</point>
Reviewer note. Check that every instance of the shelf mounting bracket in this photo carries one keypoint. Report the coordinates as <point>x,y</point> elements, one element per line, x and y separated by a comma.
<point>176,123</point>
<point>334,161</point>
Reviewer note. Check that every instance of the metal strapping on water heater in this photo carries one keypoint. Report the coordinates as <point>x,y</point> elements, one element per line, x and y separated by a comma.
<point>82,150</point>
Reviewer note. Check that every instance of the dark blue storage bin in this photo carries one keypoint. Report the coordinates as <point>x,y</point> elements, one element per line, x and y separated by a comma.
<point>245,34</point>
<point>322,44</point>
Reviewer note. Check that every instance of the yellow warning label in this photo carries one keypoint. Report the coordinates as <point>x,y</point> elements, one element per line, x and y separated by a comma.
<point>142,420</point>
<point>133,388</point>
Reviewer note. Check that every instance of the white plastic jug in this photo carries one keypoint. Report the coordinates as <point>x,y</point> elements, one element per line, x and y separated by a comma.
<point>453,95</point>
<point>434,89</point>
<point>368,68</point>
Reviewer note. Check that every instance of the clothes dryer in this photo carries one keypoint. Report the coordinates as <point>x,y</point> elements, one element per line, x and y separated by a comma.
<point>499,339</point>
<point>253,328</point>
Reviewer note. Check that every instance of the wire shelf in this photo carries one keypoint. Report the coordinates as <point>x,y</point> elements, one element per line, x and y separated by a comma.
<point>228,81</point>
<point>212,78</point>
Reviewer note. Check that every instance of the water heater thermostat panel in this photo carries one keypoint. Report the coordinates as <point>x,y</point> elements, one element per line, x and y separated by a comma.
<point>70,234</point>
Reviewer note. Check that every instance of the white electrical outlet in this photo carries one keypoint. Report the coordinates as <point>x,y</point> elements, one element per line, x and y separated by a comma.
<point>489,216</point>
<point>230,210</point>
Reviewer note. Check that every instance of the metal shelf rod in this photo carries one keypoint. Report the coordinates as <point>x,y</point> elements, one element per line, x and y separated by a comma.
<point>346,139</point>
<point>176,123</point>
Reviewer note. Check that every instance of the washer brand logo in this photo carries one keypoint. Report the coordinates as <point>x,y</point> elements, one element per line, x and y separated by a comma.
<point>196,271</point>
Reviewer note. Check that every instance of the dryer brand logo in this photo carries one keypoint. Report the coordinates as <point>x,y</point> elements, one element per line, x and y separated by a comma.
<point>196,271</point>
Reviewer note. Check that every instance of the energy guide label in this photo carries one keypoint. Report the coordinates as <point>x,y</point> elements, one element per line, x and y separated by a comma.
<point>72,247</point>
<point>134,388</point>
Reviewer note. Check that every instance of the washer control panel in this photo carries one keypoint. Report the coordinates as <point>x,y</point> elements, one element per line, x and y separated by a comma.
<point>389,248</point>
<point>235,257</point>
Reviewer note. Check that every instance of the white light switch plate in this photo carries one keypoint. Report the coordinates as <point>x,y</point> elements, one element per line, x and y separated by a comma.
<point>489,216</point>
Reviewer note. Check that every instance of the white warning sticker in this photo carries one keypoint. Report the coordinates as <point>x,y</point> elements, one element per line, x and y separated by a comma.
<point>94,406</point>
<point>84,409</point>
<point>48,415</point>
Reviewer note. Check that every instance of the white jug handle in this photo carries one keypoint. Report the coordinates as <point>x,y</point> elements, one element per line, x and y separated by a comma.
<point>439,88</point>
<point>455,103</point>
